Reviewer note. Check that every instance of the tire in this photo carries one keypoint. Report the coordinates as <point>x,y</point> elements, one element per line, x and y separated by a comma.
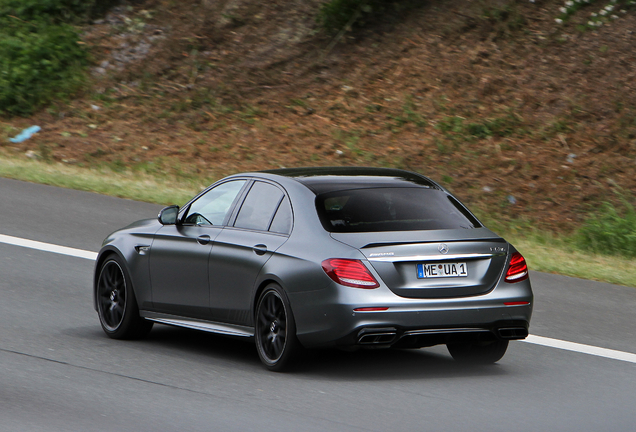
<point>116,304</point>
<point>478,352</point>
<point>275,330</point>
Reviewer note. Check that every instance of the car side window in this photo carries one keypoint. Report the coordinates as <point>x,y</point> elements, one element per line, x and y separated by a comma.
<point>282,222</point>
<point>259,206</point>
<point>212,207</point>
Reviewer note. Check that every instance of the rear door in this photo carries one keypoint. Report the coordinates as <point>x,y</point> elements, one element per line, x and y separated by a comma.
<point>263,223</point>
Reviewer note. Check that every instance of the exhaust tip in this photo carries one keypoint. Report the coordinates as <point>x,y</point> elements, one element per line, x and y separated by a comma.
<point>511,333</point>
<point>376,336</point>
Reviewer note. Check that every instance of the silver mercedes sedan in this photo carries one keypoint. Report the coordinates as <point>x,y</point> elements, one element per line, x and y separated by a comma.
<point>316,258</point>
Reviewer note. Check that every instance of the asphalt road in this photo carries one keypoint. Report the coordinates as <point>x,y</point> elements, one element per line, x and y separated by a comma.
<point>59,372</point>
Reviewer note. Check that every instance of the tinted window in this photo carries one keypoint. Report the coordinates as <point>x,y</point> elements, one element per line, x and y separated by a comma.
<point>259,207</point>
<point>391,209</point>
<point>282,222</point>
<point>211,208</point>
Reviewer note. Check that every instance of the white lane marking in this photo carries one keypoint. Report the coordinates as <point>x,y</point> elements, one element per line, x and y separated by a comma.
<point>537,340</point>
<point>48,247</point>
<point>581,348</point>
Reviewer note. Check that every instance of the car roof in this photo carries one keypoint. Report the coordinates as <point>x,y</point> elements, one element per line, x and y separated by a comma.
<point>329,179</point>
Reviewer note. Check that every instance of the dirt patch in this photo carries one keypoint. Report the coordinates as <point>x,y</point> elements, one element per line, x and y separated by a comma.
<point>516,114</point>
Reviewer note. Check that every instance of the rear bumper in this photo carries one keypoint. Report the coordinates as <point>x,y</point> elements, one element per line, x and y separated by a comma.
<point>328,317</point>
<point>373,337</point>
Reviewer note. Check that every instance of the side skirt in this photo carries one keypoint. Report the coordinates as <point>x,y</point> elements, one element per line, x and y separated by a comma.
<point>207,326</point>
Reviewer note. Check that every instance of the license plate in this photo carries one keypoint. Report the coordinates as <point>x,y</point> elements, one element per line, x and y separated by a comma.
<point>442,270</point>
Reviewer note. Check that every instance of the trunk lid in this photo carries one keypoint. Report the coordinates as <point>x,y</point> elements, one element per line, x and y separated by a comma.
<point>470,261</point>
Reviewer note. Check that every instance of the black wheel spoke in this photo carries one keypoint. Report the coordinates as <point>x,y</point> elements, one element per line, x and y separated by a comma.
<point>282,327</point>
<point>270,308</point>
<point>112,316</point>
<point>105,283</point>
<point>264,320</point>
<point>276,347</point>
<point>279,311</point>
<point>271,352</point>
<point>111,278</point>
<point>118,309</point>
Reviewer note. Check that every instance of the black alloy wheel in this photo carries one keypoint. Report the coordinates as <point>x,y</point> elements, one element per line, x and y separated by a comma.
<point>478,352</point>
<point>116,304</point>
<point>275,329</point>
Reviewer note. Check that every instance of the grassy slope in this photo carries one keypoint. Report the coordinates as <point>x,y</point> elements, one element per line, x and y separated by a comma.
<point>544,252</point>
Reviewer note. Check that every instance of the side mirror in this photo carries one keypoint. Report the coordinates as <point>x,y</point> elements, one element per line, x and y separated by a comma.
<point>168,215</point>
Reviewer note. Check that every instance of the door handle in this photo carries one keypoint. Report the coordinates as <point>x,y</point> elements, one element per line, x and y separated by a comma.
<point>203,239</point>
<point>260,249</point>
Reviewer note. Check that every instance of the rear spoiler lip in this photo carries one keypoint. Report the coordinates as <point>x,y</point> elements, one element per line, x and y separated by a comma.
<point>364,240</point>
<point>438,257</point>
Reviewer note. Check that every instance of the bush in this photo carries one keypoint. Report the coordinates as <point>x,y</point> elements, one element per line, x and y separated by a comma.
<point>494,127</point>
<point>46,10</point>
<point>40,55</point>
<point>334,15</point>
<point>610,231</point>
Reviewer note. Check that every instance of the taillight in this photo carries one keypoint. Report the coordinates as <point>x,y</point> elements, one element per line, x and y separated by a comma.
<point>349,272</point>
<point>518,269</point>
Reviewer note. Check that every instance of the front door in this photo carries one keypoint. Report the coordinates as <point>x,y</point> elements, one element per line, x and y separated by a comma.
<point>179,269</point>
<point>179,254</point>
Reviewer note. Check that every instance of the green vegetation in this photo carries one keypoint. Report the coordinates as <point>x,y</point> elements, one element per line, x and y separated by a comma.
<point>336,15</point>
<point>610,231</point>
<point>119,182</point>
<point>41,55</point>
<point>495,127</point>
<point>410,115</point>
<point>564,255</point>
<point>552,255</point>
<point>46,10</point>
<point>505,19</point>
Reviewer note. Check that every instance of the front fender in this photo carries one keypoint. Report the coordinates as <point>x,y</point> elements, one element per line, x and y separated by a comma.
<point>134,250</point>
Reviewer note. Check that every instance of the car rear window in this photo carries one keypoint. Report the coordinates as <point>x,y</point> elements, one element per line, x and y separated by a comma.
<point>391,209</point>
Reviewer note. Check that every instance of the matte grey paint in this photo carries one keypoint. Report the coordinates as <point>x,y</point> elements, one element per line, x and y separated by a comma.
<point>171,278</point>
